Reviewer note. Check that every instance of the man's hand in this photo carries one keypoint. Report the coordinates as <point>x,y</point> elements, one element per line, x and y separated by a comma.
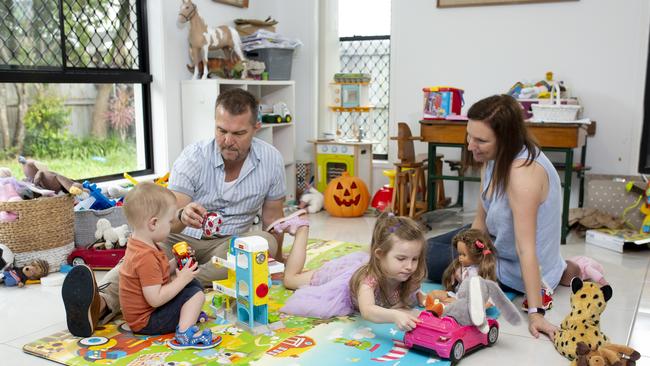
<point>193,214</point>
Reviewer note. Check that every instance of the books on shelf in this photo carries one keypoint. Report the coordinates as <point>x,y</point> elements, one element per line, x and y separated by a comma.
<point>616,240</point>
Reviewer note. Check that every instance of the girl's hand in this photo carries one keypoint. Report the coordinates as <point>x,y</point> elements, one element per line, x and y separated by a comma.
<point>538,324</point>
<point>188,272</point>
<point>405,321</point>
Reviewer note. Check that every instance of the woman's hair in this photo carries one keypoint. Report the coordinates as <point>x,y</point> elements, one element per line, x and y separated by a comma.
<point>479,249</point>
<point>389,229</point>
<point>505,117</point>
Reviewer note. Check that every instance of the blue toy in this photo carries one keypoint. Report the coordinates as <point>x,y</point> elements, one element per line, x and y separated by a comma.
<point>101,202</point>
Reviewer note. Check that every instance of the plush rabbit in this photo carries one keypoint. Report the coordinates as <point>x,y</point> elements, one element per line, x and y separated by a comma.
<point>469,307</point>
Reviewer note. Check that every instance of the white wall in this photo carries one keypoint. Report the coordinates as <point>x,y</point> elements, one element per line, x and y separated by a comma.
<point>598,47</point>
<point>169,55</point>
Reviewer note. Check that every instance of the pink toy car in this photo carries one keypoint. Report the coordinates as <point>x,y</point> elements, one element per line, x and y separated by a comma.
<point>96,258</point>
<point>212,224</point>
<point>448,339</point>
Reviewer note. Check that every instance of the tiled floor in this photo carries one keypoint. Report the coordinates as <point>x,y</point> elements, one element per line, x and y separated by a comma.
<point>36,311</point>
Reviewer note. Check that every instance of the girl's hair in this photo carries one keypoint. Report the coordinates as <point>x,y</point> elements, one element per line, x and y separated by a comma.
<point>479,249</point>
<point>389,229</point>
<point>505,117</point>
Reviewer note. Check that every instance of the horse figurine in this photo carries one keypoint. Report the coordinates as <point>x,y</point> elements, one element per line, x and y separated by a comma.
<point>203,38</point>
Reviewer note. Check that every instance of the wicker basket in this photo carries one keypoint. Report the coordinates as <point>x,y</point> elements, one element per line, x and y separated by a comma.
<point>555,112</point>
<point>44,229</point>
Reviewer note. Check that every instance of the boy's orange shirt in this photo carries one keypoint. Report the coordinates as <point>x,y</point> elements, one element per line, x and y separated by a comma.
<point>143,266</point>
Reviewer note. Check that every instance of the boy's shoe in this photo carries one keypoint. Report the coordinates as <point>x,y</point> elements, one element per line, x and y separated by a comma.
<point>188,339</point>
<point>81,301</point>
<point>547,301</point>
<point>289,223</point>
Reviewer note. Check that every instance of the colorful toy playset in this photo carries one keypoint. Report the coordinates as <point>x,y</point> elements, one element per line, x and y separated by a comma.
<point>248,282</point>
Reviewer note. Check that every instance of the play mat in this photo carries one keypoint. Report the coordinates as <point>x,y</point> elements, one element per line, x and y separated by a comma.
<point>302,341</point>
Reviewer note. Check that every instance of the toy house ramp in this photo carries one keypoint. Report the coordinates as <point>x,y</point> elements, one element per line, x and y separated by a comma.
<point>302,341</point>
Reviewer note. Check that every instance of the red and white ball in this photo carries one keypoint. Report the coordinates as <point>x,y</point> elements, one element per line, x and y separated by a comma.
<point>212,224</point>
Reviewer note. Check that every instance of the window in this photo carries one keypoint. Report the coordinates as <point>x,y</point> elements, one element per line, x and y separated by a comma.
<point>74,87</point>
<point>644,154</point>
<point>364,31</point>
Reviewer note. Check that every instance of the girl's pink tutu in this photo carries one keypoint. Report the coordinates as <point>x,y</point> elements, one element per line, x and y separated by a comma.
<point>328,294</point>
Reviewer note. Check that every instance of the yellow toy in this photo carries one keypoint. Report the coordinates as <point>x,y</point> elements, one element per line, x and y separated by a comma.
<point>588,302</point>
<point>162,181</point>
<point>645,207</point>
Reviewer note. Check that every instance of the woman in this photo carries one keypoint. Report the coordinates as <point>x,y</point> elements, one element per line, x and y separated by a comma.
<point>520,206</point>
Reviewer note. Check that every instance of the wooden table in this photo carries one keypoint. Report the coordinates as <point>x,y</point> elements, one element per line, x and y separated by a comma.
<point>560,137</point>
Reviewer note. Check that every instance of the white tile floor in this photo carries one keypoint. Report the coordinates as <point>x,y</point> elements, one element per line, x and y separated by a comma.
<point>36,311</point>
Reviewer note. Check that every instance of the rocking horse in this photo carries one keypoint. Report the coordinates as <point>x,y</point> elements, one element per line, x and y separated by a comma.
<point>202,38</point>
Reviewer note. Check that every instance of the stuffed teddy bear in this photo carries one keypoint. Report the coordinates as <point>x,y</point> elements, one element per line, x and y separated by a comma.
<point>606,355</point>
<point>33,271</point>
<point>469,307</point>
<point>39,175</point>
<point>312,200</point>
<point>111,235</point>
<point>588,302</point>
<point>590,269</point>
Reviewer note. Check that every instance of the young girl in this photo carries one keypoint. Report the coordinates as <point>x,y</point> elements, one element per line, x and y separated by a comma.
<point>476,257</point>
<point>383,285</point>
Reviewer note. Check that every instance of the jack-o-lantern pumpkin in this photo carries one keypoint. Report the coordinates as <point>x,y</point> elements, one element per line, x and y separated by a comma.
<point>346,196</point>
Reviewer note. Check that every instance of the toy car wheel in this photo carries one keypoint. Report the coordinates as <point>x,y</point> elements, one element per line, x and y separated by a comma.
<point>78,261</point>
<point>457,352</point>
<point>287,119</point>
<point>493,335</point>
<point>278,119</point>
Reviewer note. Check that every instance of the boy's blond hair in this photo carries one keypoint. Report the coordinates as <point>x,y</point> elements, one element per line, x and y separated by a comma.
<point>147,200</point>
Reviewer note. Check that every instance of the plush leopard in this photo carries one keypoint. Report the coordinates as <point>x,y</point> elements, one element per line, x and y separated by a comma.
<point>583,325</point>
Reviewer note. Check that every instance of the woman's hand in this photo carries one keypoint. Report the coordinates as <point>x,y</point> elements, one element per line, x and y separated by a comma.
<point>538,324</point>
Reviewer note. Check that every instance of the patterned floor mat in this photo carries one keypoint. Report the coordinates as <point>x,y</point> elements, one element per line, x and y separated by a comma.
<point>301,341</point>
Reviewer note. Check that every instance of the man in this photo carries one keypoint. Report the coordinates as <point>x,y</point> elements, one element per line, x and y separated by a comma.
<point>234,174</point>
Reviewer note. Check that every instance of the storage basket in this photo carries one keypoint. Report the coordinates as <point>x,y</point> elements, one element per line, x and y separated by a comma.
<point>43,230</point>
<point>555,112</point>
<point>85,223</point>
<point>277,60</point>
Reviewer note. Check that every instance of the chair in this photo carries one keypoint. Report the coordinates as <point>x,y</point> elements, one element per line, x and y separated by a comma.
<point>410,192</point>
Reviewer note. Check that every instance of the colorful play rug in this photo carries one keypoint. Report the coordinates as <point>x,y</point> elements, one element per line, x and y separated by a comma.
<point>302,341</point>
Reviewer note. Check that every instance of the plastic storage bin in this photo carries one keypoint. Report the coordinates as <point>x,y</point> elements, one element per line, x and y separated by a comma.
<point>277,60</point>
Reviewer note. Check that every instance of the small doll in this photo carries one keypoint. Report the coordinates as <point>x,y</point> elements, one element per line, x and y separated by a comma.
<point>33,271</point>
<point>476,257</point>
